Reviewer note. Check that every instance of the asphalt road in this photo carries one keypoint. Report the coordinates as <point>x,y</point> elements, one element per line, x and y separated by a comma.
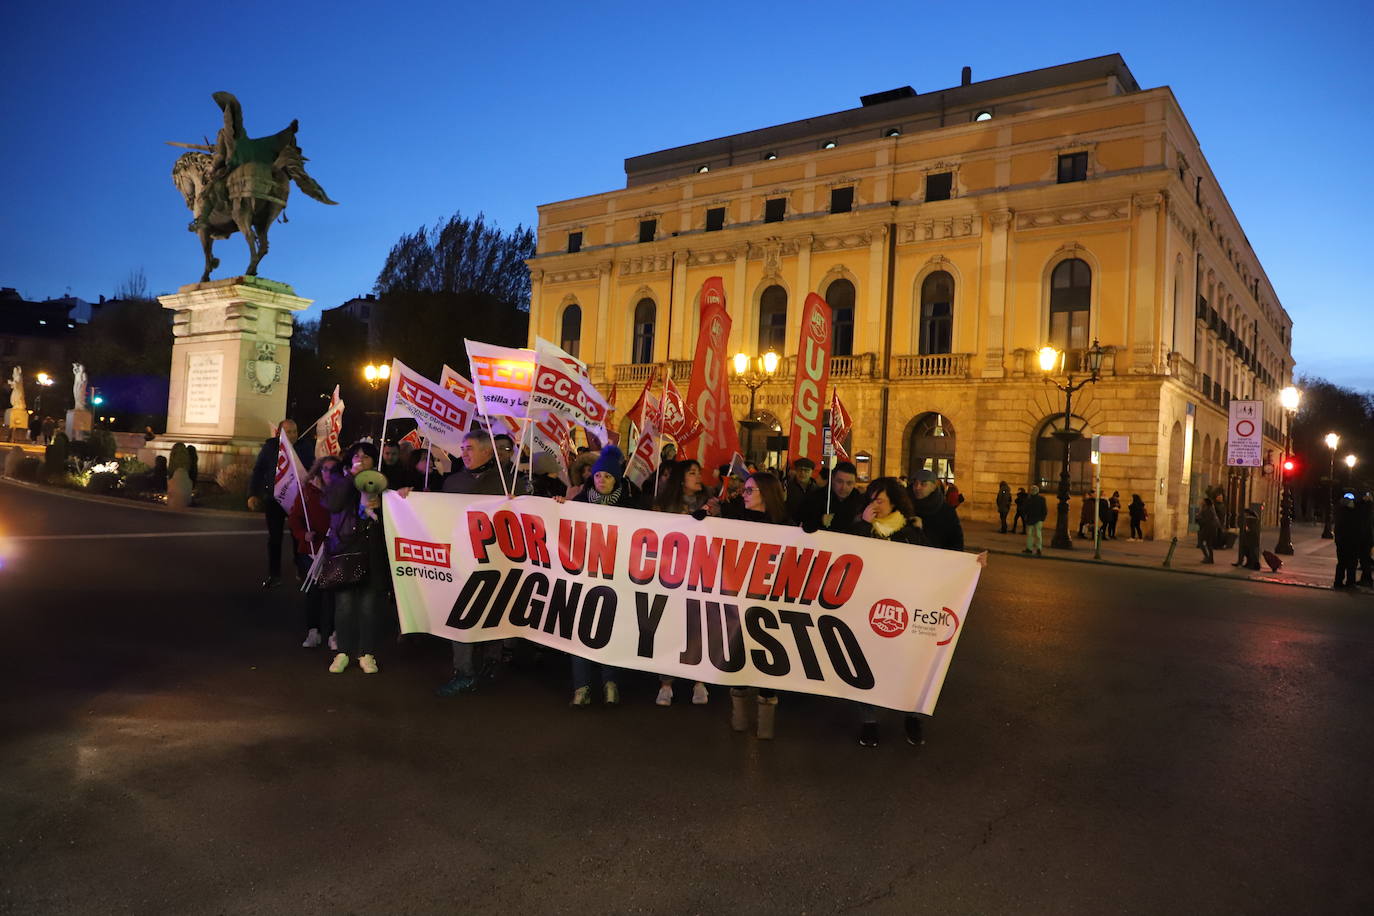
<point>1108,741</point>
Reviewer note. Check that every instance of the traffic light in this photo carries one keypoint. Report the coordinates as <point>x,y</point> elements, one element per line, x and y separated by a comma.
<point>1290,467</point>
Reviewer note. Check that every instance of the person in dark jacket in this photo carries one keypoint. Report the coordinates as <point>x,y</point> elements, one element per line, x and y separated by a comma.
<point>1366,544</point>
<point>396,468</point>
<point>1136,510</point>
<point>889,515</point>
<point>1020,516</point>
<point>355,528</point>
<point>1350,528</point>
<point>939,519</point>
<point>1113,513</point>
<point>1086,510</point>
<point>607,487</point>
<point>1004,505</point>
<point>1248,542</point>
<point>846,502</point>
<point>479,475</point>
<point>801,483</point>
<point>1207,525</point>
<point>309,521</point>
<point>260,498</point>
<point>1034,513</point>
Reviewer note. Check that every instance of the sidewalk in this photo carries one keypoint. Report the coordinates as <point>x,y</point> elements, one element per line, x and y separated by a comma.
<point>1313,563</point>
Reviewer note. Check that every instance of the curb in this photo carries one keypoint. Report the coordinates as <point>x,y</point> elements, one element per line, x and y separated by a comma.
<point>128,503</point>
<point>1161,569</point>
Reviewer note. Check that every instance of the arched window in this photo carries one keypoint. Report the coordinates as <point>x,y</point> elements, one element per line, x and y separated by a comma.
<point>932,446</point>
<point>1070,303</point>
<point>773,320</point>
<point>570,331</point>
<point>642,349</point>
<point>1049,458</point>
<point>840,296</point>
<point>937,313</point>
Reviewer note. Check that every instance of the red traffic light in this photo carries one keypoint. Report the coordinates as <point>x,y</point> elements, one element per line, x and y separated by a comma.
<point>1289,467</point>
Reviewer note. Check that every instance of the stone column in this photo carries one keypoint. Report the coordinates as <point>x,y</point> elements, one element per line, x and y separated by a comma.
<point>994,344</point>
<point>1145,289</point>
<point>231,356</point>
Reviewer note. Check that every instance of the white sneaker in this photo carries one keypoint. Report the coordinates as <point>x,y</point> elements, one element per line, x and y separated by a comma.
<point>334,642</point>
<point>368,664</point>
<point>339,663</point>
<point>665,695</point>
<point>699,695</point>
<point>312,640</point>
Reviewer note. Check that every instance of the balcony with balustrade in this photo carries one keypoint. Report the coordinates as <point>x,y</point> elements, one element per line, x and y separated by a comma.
<point>931,365</point>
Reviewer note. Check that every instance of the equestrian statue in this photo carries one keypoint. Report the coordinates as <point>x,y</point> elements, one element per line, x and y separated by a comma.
<point>241,184</point>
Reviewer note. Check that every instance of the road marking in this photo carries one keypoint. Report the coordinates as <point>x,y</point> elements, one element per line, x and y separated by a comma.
<point>96,537</point>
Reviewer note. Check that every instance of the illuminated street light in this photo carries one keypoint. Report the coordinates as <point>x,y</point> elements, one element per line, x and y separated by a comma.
<point>1051,359</point>
<point>1332,440</point>
<point>754,372</point>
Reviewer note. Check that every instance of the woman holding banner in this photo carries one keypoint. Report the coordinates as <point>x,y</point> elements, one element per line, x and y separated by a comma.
<point>683,493</point>
<point>890,515</point>
<point>765,502</point>
<point>309,523</point>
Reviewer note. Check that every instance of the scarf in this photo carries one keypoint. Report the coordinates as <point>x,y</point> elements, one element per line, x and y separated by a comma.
<point>889,524</point>
<point>610,499</point>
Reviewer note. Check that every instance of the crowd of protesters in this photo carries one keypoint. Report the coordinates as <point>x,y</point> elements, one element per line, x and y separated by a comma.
<point>336,527</point>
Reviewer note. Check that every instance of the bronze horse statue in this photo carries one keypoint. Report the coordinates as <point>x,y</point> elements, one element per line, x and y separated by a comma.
<point>241,184</point>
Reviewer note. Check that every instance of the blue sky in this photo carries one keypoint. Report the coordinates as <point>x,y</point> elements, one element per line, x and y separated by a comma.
<point>410,111</point>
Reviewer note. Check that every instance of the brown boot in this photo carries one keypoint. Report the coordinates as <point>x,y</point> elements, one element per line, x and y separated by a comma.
<point>768,707</point>
<point>739,709</point>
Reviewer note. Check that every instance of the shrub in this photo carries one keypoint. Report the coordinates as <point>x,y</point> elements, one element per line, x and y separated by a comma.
<point>28,469</point>
<point>101,446</point>
<point>129,465</point>
<point>55,457</point>
<point>234,478</point>
<point>104,482</point>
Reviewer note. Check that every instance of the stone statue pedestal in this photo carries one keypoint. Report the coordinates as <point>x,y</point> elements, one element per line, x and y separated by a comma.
<point>17,419</point>
<point>78,425</point>
<point>231,354</point>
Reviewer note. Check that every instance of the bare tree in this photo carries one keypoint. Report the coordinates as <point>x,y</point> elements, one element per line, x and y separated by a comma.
<point>134,287</point>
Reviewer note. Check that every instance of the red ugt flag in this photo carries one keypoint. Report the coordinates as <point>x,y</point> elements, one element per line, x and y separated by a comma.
<point>708,395</point>
<point>813,377</point>
<point>840,424</point>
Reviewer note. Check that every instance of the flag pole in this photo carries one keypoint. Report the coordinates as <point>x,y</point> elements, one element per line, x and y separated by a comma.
<point>429,461</point>
<point>494,456</point>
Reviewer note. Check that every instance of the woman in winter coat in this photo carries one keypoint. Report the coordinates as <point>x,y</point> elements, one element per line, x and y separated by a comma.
<point>309,521</point>
<point>1136,510</point>
<point>891,516</point>
<point>606,486</point>
<point>1113,513</point>
<point>683,493</point>
<point>765,502</point>
<point>355,529</point>
<point>1004,505</point>
<point>1207,526</point>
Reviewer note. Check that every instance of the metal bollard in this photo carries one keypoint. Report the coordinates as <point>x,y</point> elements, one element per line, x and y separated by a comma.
<point>1169,559</point>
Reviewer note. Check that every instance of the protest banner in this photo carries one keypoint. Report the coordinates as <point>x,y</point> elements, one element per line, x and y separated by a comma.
<point>813,379</point>
<point>459,385</point>
<point>329,427</point>
<point>443,418</point>
<point>643,460</point>
<point>550,434</point>
<point>717,600</point>
<point>679,423</point>
<point>708,393</point>
<point>501,378</point>
<point>286,485</point>
<point>840,424</point>
<point>561,387</point>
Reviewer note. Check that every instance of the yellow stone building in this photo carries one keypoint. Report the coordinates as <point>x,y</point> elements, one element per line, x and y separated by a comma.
<point>954,233</point>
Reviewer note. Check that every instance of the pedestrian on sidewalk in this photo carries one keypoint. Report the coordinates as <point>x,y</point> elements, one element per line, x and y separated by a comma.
<point>1349,527</point>
<point>1366,508</point>
<point>1004,505</point>
<point>1113,513</point>
<point>1086,510</point>
<point>1207,525</point>
<point>1035,512</point>
<point>1248,542</point>
<point>1136,510</point>
<point>1020,516</point>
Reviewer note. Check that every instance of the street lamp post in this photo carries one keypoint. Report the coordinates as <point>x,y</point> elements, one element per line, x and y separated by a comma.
<point>1350,461</point>
<point>375,375</point>
<point>754,372</point>
<point>1332,440</point>
<point>1288,399</point>
<point>1050,359</point>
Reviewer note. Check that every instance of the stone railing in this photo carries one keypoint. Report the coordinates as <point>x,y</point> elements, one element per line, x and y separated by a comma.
<point>638,373</point>
<point>931,365</point>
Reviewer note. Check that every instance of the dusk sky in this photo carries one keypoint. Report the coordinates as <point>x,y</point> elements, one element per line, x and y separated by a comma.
<point>412,111</point>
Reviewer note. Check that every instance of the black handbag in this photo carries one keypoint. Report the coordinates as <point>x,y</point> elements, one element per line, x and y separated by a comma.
<point>342,570</point>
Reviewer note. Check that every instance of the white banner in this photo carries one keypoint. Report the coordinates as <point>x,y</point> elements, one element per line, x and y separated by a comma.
<point>290,476</point>
<point>443,417</point>
<point>1244,436</point>
<point>717,600</point>
<point>502,377</point>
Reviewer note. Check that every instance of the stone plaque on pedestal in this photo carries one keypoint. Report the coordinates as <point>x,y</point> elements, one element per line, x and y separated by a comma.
<point>231,353</point>
<point>78,425</point>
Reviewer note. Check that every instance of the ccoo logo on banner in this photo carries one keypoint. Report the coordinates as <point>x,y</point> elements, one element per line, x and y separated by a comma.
<point>717,600</point>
